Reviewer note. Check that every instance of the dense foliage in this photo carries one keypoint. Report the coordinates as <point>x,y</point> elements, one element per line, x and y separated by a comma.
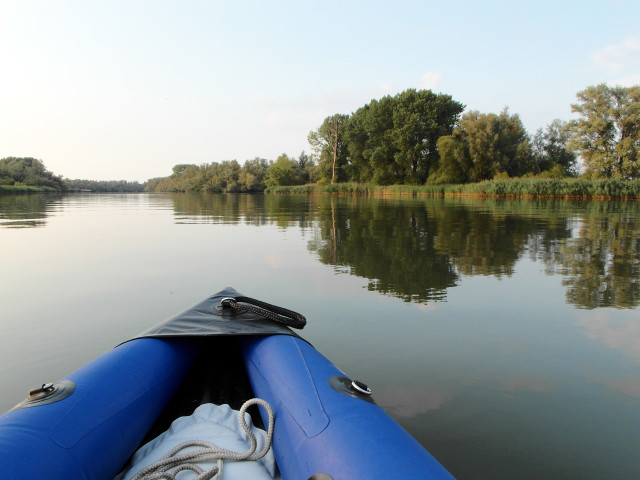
<point>231,177</point>
<point>607,135</point>
<point>27,171</point>
<point>388,141</point>
<point>418,137</point>
<point>550,150</point>
<point>227,177</point>
<point>483,146</point>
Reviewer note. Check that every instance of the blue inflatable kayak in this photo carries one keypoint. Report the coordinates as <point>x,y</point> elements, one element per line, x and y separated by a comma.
<point>327,426</point>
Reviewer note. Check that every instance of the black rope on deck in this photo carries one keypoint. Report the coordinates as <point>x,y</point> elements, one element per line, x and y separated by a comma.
<point>272,312</point>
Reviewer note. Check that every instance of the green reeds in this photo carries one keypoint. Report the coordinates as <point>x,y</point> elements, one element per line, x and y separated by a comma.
<point>512,187</point>
<point>25,189</point>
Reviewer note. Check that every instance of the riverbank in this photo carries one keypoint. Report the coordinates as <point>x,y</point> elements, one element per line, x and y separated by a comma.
<point>26,189</point>
<point>516,187</point>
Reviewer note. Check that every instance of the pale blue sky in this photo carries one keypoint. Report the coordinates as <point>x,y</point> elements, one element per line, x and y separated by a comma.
<point>126,89</point>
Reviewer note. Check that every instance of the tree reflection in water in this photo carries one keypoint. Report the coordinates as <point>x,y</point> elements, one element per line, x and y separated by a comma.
<point>417,248</point>
<point>26,210</point>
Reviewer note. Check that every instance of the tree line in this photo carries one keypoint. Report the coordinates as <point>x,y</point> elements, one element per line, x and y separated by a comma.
<point>418,137</point>
<point>31,172</point>
<point>231,177</point>
<point>104,186</point>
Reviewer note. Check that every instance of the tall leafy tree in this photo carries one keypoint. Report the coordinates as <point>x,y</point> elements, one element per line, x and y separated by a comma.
<point>285,171</point>
<point>357,133</point>
<point>307,168</point>
<point>479,130</point>
<point>550,149</point>
<point>394,139</point>
<point>497,143</point>
<point>328,144</point>
<point>420,117</point>
<point>455,161</point>
<point>379,150</point>
<point>253,175</point>
<point>607,136</point>
<point>514,145</point>
<point>217,177</point>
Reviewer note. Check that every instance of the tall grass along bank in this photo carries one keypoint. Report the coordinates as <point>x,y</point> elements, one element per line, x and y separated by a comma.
<point>516,187</point>
<point>26,189</point>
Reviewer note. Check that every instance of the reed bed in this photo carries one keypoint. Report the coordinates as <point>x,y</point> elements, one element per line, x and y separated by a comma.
<point>26,189</point>
<point>515,187</point>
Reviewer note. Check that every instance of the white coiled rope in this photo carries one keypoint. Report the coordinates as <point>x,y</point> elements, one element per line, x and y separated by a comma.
<point>175,462</point>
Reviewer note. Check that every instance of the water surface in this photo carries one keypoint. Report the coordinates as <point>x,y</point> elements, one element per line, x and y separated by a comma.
<point>503,334</point>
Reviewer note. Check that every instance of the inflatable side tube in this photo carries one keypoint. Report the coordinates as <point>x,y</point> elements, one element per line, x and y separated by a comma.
<point>91,433</point>
<point>324,428</point>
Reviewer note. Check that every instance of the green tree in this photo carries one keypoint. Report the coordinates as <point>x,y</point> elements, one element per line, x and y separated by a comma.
<point>480,131</point>
<point>28,171</point>
<point>497,143</point>
<point>455,161</point>
<point>514,146</point>
<point>357,132</point>
<point>420,118</point>
<point>550,149</point>
<point>328,144</point>
<point>394,139</point>
<point>226,177</point>
<point>218,177</point>
<point>283,172</point>
<point>254,174</point>
<point>307,167</point>
<point>180,168</point>
<point>188,177</point>
<point>379,150</point>
<point>607,136</point>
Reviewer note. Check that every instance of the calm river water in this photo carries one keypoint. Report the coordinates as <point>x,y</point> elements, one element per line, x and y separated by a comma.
<point>504,335</point>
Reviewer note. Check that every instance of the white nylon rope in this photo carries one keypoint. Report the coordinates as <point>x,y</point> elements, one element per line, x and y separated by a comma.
<point>172,463</point>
